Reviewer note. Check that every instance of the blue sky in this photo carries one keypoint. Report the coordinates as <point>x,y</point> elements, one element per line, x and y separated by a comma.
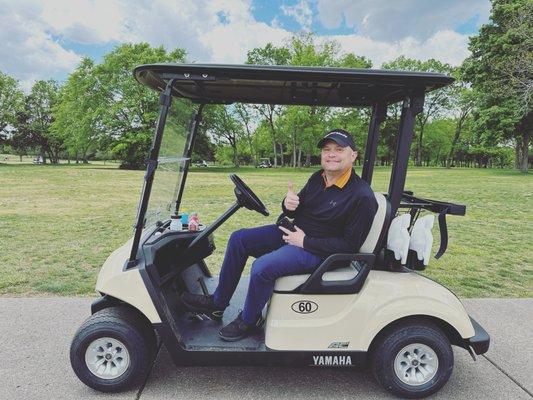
<point>46,39</point>
<point>269,11</point>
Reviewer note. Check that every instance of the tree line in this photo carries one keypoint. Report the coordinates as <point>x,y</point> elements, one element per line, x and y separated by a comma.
<point>484,119</point>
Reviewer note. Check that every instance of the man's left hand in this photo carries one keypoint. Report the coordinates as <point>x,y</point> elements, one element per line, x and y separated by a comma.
<point>294,238</point>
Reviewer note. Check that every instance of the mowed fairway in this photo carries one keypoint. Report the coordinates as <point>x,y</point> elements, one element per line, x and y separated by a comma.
<point>59,223</point>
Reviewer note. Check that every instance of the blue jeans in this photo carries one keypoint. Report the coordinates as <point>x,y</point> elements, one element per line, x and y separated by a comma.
<point>274,258</point>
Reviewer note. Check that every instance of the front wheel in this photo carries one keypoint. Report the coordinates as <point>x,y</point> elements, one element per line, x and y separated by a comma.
<point>113,350</point>
<point>412,360</point>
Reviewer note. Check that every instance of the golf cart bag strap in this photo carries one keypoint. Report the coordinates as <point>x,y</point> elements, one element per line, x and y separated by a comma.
<point>316,285</point>
<point>443,229</point>
<point>440,207</point>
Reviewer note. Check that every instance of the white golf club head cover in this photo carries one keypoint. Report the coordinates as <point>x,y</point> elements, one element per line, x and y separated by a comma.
<point>398,237</point>
<point>421,238</point>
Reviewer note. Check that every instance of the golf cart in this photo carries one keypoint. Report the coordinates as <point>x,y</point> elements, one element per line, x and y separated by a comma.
<point>367,309</point>
<point>265,163</point>
<point>201,163</point>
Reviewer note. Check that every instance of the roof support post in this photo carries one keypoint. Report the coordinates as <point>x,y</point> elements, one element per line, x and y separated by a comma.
<point>187,153</point>
<point>412,106</point>
<point>165,100</point>
<point>379,113</point>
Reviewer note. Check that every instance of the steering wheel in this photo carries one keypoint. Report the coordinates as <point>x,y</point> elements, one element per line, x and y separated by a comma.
<point>247,198</point>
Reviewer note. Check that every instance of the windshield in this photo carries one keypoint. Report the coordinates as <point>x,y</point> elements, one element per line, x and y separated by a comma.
<point>173,161</point>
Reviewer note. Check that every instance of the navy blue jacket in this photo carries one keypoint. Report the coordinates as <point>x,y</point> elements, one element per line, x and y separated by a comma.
<point>334,220</point>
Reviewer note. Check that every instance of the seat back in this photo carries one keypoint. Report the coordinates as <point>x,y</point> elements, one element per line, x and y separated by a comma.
<point>344,273</point>
<point>375,234</point>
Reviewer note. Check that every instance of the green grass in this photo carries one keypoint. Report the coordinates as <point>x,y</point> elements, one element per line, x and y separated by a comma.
<point>59,223</point>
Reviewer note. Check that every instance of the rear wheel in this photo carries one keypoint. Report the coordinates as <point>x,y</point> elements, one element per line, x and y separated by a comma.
<point>113,349</point>
<point>412,360</point>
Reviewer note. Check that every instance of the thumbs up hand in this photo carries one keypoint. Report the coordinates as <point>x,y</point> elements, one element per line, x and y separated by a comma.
<point>292,200</point>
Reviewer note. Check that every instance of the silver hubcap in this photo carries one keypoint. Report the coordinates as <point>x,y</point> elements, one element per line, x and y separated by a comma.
<point>416,364</point>
<point>107,358</point>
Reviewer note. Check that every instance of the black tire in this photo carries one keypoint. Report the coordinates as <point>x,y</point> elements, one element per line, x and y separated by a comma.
<point>125,325</point>
<point>389,345</point>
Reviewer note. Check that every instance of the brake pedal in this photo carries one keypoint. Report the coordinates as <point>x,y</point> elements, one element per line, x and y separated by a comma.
<point>198,317</point>
<point>213,316</point>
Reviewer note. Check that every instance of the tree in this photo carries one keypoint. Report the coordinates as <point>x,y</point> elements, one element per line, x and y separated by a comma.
<point>22,138</point>
<point>438,140</point>
<point>463,105</point>
<point>39,104</point>
<point>501,71</point>
<point>11,102</point>
<point>294,122</point>
<point>270,55</point>
<point>225,129</point>
<point>75,117</point>
<point>245,114</point>
<point>436,102</point>
<point>203,148</point>
<point>126,110</point>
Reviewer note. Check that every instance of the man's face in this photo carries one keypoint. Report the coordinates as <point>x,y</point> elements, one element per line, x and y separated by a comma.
<point>336,158</point>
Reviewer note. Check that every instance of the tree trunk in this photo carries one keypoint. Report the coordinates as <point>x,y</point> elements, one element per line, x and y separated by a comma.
<point>300,157</point>
<point>458,128</point>
<point>281,154</point>
<point>252,149</point>
<point>517,157</point>
<point>86,155</point>
<point>235,158</point>
<point>308,159</point>
<point>43,155</point>
<point>270,118</point>
<point>525,151</point>
<point>418,160</point>
<point>294,150</point>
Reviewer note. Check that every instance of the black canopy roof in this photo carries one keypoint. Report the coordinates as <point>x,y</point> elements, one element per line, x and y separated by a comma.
<point>216,83</point>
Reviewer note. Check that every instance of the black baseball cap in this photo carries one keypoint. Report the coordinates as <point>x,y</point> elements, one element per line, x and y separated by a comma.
<point>339,136</point>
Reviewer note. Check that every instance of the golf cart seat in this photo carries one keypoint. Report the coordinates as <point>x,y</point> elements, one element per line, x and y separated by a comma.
<point>344,273</point>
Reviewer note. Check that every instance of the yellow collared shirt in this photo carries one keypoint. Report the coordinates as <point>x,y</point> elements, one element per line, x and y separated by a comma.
<point>341,181</point>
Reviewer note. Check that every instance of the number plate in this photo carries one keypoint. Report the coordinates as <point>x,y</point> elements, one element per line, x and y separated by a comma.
<point>304,307</point>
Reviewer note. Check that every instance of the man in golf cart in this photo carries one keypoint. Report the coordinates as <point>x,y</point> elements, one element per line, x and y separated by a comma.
<point>332,214</point>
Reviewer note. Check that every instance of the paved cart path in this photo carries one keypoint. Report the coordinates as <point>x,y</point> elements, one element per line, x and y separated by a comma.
<point>35,335</point>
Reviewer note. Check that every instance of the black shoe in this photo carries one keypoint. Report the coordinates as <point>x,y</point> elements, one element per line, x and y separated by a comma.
<point>201,303</point>
<point>238,329</point>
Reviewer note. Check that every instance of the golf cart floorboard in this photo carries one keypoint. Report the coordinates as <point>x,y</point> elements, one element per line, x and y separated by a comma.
<point>202,334</point>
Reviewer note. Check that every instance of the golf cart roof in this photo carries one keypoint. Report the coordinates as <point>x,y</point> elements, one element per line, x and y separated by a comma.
<point>342,87</point>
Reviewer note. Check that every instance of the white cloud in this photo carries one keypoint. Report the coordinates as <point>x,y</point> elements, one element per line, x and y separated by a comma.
<point>28,52</point>
<point>229,43</point>
<point>365,20</point>
<point>196,27</point>
<point>387,20</point>
<point>331,17</point>
<point>446,46</point>
<point>301,12</point>
<point>87,22</point>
